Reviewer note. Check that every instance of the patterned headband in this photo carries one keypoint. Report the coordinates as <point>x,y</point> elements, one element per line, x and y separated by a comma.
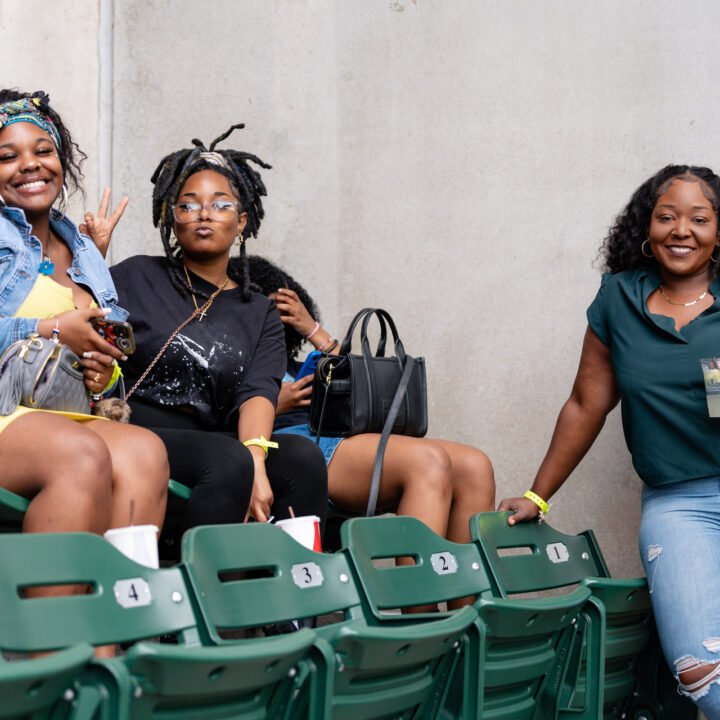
<point>29,110</point>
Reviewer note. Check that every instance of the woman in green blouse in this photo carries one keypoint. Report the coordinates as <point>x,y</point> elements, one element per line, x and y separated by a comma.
<point>652,340</point>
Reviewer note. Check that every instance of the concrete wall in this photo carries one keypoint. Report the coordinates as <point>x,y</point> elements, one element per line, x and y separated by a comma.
<point>456,162</point>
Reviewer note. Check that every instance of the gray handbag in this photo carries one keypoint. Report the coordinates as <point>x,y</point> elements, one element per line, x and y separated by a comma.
<point>42,374</point>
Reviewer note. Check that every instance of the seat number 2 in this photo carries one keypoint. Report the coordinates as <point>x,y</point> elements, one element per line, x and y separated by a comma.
<point>444,563</point>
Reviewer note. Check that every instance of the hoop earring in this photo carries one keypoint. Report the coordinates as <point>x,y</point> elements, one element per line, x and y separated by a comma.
<point>642,250</point>
<point>713,259</point>
<point>239,240</point>
<point>63,202</point>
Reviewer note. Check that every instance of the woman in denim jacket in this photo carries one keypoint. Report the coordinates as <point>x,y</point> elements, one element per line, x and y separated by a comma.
<point>80,472</point>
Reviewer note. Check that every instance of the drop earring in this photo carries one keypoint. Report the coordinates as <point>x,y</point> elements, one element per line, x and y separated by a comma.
<point>239,240</point>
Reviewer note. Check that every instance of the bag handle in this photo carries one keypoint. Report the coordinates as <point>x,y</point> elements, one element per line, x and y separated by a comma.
<point>382,316</point>
<point>346,344</point>
<point>379,456</point>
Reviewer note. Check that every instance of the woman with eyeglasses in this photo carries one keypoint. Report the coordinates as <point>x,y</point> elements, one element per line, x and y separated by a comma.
<point>210,353</point>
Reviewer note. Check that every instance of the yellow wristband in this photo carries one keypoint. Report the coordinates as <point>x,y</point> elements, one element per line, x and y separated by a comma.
<point>261,442</point>
<point>117,373</point>
<point>530,495</point>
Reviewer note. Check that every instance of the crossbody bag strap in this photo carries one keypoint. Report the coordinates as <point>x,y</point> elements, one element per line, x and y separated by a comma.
<point>392,414</point>
<point>197,311</point>
<point>322,414</point>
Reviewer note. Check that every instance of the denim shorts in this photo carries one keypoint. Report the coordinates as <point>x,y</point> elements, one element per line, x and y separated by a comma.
<point>326,444</point>
<point>680,550</point>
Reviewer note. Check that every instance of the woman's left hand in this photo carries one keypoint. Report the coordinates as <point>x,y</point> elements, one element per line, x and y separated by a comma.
<point>261,498</point>
<point>100,227</point>
<point>292,311</point>
<point>294,394</point>
<point>97,369</point>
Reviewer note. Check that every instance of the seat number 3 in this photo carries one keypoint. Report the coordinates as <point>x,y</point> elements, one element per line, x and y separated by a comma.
<point>307,575</point>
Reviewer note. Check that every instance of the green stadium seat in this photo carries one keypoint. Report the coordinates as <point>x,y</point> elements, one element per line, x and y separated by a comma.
<point>125,603</point>
<point>523,649</point>
<point>42,687</point>
<point>12,511</point>
<point>254,575</point>
<point>531,557</point>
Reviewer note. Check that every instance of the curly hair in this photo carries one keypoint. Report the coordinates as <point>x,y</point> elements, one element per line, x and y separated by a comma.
<point>622,247</point>
<point>266,278</point>
<point>71,156</point>
<point>247,187</point>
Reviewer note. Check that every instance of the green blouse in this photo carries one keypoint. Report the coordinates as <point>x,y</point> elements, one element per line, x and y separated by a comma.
<point>657,369</point>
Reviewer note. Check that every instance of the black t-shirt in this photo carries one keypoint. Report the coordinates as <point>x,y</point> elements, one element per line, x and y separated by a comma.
<point>235,353</point>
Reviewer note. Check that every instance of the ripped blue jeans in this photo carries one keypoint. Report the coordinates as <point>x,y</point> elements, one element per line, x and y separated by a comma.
<point>680,550</point>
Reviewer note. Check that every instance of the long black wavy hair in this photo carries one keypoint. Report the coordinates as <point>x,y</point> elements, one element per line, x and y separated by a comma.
<point>622,248</point>
<point>266,278</point>
<point>71,156</point>
<point>247,186</point>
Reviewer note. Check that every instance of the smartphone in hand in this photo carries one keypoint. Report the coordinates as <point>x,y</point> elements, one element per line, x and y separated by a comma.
<point>116,332</point>
<point>308,367</point>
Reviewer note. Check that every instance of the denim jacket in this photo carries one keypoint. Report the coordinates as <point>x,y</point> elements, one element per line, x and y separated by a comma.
<point>20,258</point>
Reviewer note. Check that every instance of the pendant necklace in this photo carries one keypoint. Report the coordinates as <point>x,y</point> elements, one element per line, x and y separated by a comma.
<point>47,266</point>
<point>202,311</point>
<point>684,304</point>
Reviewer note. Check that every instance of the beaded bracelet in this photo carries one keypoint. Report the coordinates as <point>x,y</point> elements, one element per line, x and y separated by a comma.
<point>314,330</point>
<point>329,340</point>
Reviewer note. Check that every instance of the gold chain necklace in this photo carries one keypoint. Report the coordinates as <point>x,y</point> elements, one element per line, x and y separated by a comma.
<point>685,304</point>
<point>202,311</point>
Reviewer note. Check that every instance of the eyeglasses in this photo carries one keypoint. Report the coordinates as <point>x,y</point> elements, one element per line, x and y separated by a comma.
<point>187,212</point>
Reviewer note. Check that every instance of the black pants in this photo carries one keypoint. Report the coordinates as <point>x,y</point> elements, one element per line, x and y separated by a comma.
<point>220,470</point>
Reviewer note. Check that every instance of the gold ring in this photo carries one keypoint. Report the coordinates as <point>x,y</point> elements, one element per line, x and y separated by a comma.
<point>97,377</point>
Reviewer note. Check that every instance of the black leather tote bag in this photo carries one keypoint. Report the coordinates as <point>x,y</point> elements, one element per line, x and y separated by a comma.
<point>353,394</point>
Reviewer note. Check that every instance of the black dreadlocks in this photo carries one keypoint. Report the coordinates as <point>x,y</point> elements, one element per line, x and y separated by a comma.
<point>71,156</point>
<point>247,186</point>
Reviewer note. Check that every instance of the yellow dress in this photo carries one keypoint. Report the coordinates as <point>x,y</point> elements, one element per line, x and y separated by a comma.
<point>46,299</point>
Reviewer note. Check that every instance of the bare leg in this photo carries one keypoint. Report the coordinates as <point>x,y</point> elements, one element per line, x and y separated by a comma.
<point>65,472</point>
<point>140,473</point>
<point>416,478</point>
<point>63,468</point>
<point>415,481</point>
<point>473,484</point>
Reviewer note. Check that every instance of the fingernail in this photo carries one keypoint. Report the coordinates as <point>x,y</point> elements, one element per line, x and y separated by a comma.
<point>124,358</point>
<point>105,311</point>
<point>87,354</point>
